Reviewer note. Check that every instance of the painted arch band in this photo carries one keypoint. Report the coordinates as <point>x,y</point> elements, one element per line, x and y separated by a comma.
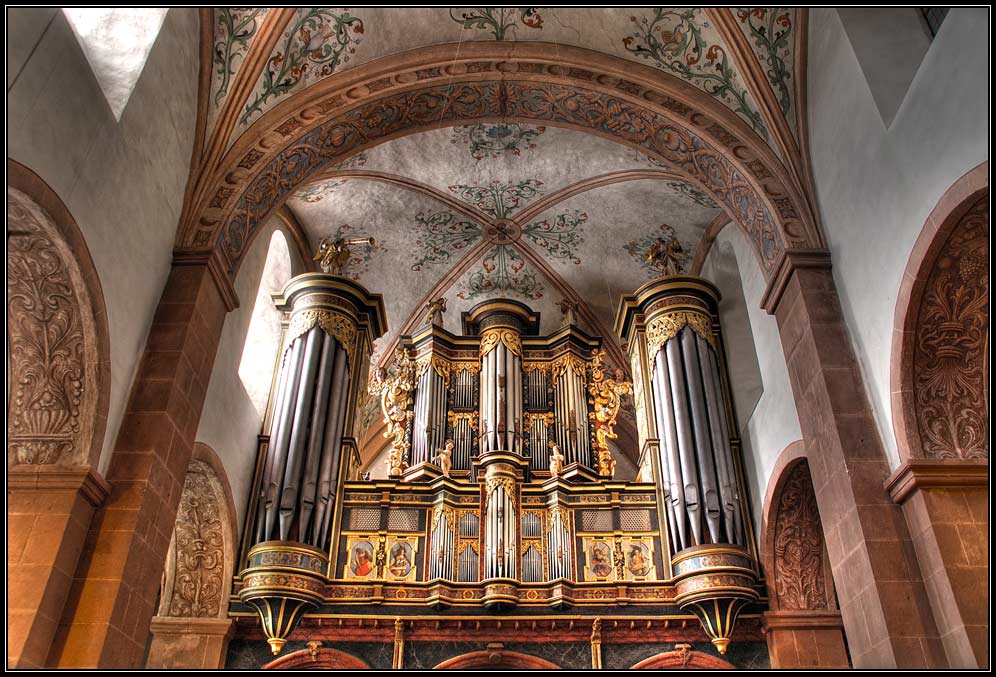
<point>309,133</point>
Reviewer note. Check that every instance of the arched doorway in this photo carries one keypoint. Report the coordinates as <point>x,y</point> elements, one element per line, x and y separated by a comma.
<point>940,383</point>
<point>801,595</point>
<point>57,399</point>
<point>498,659</point>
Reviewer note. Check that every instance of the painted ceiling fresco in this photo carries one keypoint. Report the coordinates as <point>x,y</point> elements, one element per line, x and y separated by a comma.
<point>683,42</point>
<point>519,211</point>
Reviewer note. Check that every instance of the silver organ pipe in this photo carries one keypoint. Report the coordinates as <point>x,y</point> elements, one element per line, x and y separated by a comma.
<point>698,475</point>
<point>729,492</point>
<point>464,390</point>
<point>571,411</point>
<point>674,492</point>
<point>429,430</point>
<point>559,546</point>
<point>700,428</point>
<point>441,552</point>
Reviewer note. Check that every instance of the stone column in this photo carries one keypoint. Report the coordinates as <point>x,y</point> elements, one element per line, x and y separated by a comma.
<point>946,503</point>
<point>189,643</point>
<point>49,509</point>
<point>106,623</point>
<point>805,639</point>
<point>882,597</point>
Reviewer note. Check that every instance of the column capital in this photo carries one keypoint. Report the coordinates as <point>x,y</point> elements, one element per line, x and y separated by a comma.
<point>930,473</point>
<point>86,480</point>
<point>790,261</point>
<point>210,258</point>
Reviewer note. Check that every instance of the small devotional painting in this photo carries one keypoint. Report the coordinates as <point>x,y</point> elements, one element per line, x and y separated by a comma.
<point>401,559</point>
<point>361,563</point>
<point>598,560</point>
<point>639,559</point>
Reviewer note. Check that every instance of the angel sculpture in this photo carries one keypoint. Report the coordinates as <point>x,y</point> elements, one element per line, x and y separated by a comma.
<point>434,311</point>
<point>667,256</point>
<point>443,458</point>
<point>556,461</point>
<point>333,255</point>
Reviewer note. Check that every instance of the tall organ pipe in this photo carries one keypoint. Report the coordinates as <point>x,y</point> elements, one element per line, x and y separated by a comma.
<point>286,375</point>
<point>316,439</point>
<point>670,458</point>
<point>277,452</point>
<point>332,451</point>
<point>686,447</point>
<point>700,426</point>
<point>302,412</point>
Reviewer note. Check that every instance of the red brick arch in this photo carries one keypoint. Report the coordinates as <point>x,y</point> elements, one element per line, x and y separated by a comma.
<point>442,86</point>
<point>678,660</point>
<point>498,658</point>
<point>323,659</point>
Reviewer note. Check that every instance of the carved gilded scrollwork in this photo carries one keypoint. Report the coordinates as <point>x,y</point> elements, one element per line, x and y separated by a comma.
<point>491,337</point>
<point>662,329</point>
<point>506,483</point>
<point>440,365</point>
<point>438,512</point>
<point>472,417</point>
<point>472,367</point>
<point>338,326</point>
<point>52,350</point>
<point>395,399</point>
<point>607,396</point>
<point>529,417</point>
<point>799,574</point>
<point>568,361</point>
<point>949,374</point>
<point>529,367</point>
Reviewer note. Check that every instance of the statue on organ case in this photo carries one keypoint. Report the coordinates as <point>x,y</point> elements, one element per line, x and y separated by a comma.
<point>443,458</point>
<point>556,461</point>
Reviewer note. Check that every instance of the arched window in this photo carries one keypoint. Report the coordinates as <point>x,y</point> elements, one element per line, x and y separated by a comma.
<point>263,337</point>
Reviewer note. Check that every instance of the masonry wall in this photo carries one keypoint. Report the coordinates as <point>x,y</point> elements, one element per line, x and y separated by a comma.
<point>122,181</point>
<point>877,183</point>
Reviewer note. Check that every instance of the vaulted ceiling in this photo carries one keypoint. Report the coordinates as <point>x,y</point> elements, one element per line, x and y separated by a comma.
<point>581,211</point>
<point>501,208</point>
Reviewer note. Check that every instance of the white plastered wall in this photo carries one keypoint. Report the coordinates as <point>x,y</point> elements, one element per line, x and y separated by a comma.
<point>230,421</point>
<point>123,182</point>
<point>759,377</point>
<point>876,185</point>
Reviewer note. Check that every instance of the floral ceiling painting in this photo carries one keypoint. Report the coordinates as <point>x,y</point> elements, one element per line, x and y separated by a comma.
<point>686,43</point>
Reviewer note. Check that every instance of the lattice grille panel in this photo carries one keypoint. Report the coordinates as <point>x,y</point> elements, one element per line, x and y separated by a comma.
<point>364,519</point>
<point>402,520</point>
<point>596,520</point>
<point>634,520</point>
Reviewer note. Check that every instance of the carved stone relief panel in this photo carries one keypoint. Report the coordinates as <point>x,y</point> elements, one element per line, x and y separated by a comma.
<point>952,337</point>
<point>199,564</point>
<point>800,571</point>
<point>52,343</point>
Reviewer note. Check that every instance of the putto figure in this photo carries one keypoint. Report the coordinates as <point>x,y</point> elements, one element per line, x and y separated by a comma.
<point>443,458</point>
<point>556,461</point>
<point>333,255</point>
<point>434,311</point>
<point>667,256</point>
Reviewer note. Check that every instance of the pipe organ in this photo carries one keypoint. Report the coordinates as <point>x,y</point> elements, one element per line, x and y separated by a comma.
<point>499,490</point>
